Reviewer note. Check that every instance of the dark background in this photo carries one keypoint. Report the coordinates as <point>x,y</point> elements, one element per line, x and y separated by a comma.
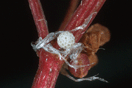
<point>19,62</point>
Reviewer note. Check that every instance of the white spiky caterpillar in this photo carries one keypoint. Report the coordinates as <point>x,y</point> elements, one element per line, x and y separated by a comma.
<point>65,40</point>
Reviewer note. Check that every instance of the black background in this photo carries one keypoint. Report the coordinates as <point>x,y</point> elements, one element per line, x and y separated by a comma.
<point>19,62</point>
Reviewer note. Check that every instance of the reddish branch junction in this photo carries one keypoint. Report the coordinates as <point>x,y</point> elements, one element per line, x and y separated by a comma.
<point>76,22</point>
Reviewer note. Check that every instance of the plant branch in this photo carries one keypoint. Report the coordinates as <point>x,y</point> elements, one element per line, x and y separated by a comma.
<point>50,64</point>
<point>70,11</point>
<point>85,9</point>
<point>48,70</point>
<point>39,17</point>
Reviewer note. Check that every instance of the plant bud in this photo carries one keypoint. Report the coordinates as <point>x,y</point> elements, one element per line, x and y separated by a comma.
<point>96,36</point>
<point>80,72</point>
<point>93,60</point>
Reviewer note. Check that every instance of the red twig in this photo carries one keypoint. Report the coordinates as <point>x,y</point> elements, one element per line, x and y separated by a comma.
<point>85,9</point>
<point>70,11</point>
<point>48,70</point>
<point>50,64</point>
<point>39,17</point>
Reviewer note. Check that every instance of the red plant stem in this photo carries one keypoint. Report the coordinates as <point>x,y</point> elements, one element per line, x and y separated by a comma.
<point>86,8</point>
<point>50,64</point>
<point>48,70</point>
<point>39,17</point>
<point>70,11</point>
